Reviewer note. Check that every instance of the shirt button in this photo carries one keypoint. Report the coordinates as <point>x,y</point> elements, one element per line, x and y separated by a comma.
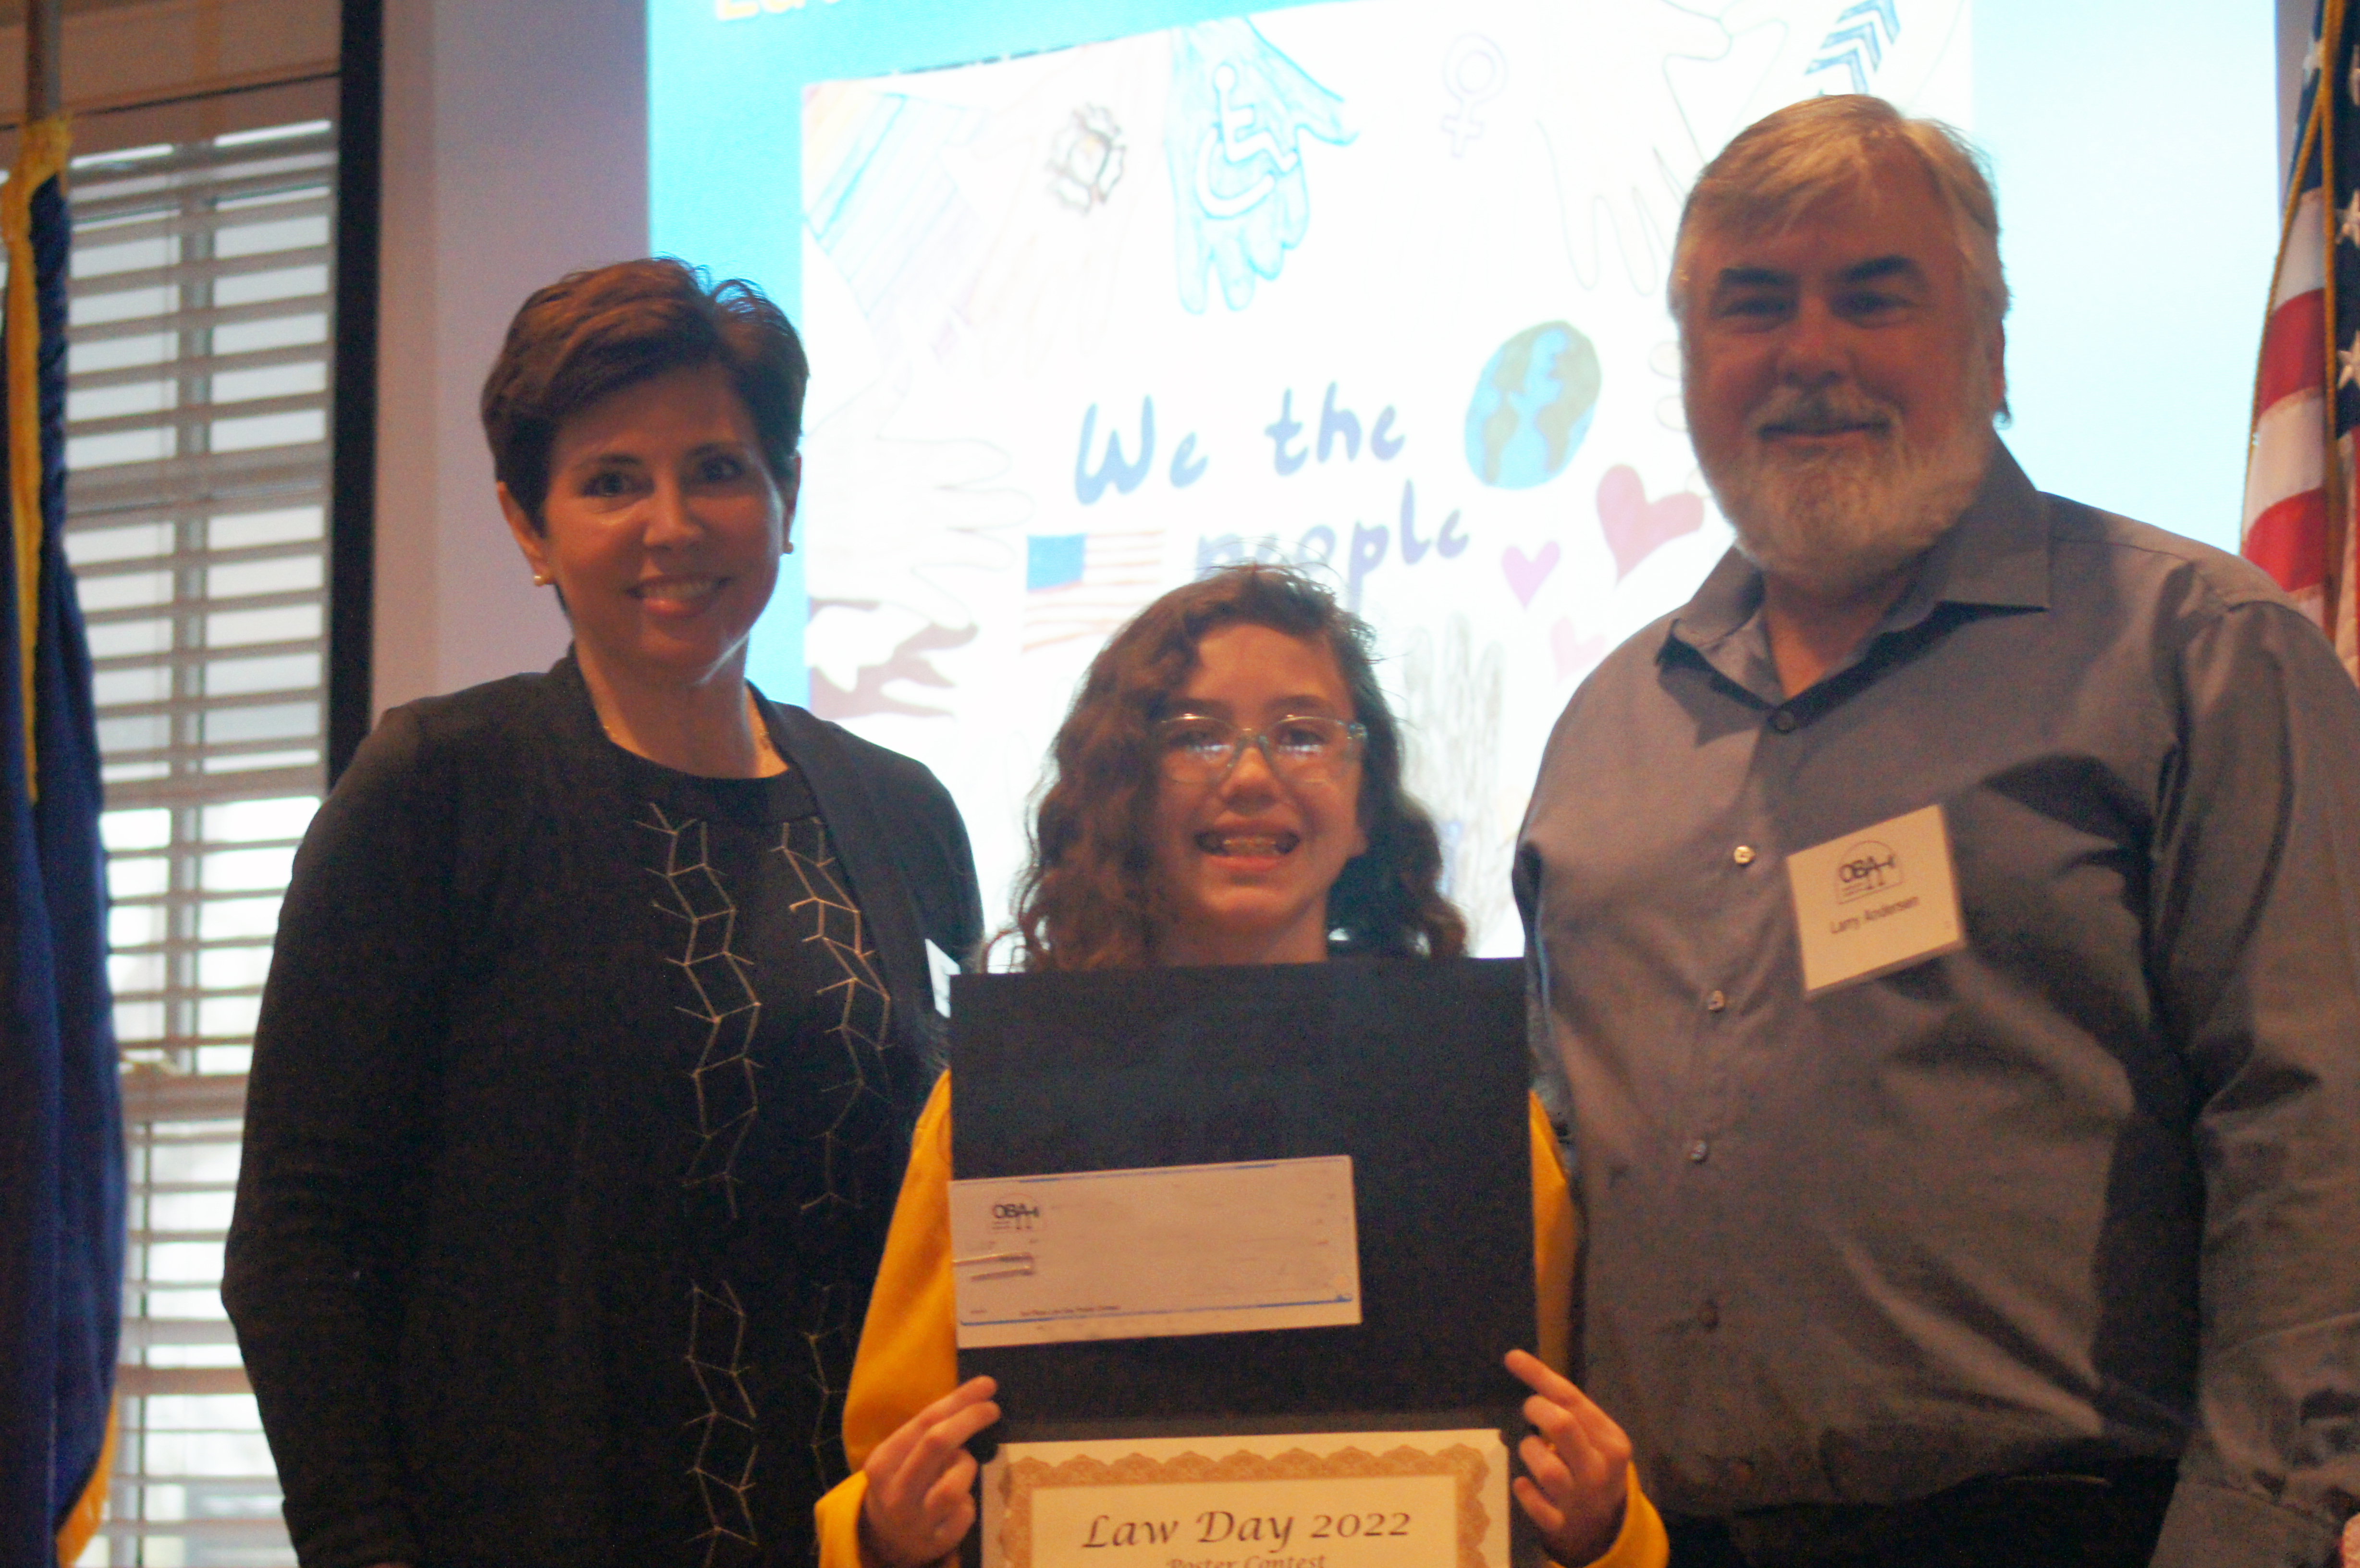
<point>1742,855</point>
<point>1783,722</point>
<point>1709,1314</point>
<point>1698,1150</point>
<point>1715,1002</point>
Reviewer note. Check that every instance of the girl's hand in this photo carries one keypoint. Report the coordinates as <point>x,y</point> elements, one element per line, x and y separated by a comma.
<point>1578,1464</point>
<point>918,1507</point>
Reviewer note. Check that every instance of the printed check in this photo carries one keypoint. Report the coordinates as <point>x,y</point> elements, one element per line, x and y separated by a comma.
<point>1168,1250</point>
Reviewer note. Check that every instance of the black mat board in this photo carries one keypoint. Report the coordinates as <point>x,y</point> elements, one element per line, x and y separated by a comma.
<point>1417,1071</point>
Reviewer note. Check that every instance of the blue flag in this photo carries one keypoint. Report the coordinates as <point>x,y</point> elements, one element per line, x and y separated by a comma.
<point>61,1190</point>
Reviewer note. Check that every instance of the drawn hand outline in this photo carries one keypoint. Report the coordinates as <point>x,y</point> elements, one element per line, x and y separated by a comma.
<point>1235,119</point>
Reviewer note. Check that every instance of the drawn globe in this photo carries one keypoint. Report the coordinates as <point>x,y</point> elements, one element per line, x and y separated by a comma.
<point>1532,406</point>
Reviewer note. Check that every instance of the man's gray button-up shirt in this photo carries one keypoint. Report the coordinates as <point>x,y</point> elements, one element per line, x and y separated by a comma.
<point>2088,1188</point>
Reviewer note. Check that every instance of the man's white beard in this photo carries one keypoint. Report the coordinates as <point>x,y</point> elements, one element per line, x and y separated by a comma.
<point>1833,521</point>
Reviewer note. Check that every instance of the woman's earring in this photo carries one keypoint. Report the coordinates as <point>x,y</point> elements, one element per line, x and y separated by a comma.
<point>540,579</point>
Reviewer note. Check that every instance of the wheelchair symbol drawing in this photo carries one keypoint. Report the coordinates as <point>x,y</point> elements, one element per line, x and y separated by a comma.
<point>1239,138</point>
<point>1235,120</point>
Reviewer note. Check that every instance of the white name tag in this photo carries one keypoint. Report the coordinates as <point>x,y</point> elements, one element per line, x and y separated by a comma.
<point>1876,900</point>
<point>1170,1250</point>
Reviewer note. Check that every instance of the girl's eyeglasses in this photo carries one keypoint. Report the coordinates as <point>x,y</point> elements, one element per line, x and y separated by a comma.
<point>1192,749</point>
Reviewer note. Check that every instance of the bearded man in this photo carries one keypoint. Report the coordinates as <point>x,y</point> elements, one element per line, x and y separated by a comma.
<point>1947,923</point>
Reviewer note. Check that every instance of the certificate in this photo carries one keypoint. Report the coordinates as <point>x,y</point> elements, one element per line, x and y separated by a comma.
<point>1181,1249</point>
<point>1425,1499</point>
<point>1200,1152</point>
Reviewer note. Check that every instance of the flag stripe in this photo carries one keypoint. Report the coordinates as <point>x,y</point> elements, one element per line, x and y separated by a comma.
<point>2302,263</point>
<point>2294,351</point>
<point>2287,456</point>
<point>2290,541</point>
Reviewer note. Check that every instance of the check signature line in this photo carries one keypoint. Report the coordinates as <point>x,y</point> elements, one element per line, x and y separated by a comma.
<point>1023,1258</point>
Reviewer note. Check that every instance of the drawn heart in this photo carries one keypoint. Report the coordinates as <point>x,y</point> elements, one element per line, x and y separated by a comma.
<point>1635,528</point>
<point>1573,650</point>
<point>1528,572</point>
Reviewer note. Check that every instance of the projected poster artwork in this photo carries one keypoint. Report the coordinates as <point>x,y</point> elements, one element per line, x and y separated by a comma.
<point>1372,288</point>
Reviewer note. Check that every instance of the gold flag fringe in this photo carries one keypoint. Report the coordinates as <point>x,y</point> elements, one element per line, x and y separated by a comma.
<point>40,157</point>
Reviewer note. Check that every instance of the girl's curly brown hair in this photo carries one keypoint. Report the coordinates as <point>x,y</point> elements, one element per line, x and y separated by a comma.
<point>1086,899</point>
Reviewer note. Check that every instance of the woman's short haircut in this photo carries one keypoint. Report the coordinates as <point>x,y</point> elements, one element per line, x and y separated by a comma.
<point>593,333</point>
<point>1786,162</point>
<point>1088,897</point>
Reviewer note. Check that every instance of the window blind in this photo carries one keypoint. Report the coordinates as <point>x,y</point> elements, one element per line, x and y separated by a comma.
<point>196,444</point>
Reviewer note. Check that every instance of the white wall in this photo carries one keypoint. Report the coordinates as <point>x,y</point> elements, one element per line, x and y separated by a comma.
<point>516,151</point>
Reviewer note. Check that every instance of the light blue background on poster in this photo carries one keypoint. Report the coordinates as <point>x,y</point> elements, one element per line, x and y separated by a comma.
<point>2133,141</point>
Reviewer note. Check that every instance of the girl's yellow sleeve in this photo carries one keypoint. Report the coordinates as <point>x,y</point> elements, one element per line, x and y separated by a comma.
<point>1555,1246</point>
<point>909,1347</point>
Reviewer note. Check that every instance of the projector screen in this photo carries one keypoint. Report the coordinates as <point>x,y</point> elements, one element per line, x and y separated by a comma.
<point>1100,295</point>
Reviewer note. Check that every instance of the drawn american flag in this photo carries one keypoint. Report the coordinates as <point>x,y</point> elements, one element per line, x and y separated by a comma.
<point>2300,498</point>
<point>1080,585</point>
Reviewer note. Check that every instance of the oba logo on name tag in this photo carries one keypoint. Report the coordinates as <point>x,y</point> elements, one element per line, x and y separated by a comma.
<point>1868,866</point>
<point>1875,901</point>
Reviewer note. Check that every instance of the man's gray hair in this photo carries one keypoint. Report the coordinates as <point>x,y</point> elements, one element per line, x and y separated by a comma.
<point>1786,162</point>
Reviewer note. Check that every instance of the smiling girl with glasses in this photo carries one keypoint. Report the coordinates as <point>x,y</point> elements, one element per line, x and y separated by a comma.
<point>1226,789</point>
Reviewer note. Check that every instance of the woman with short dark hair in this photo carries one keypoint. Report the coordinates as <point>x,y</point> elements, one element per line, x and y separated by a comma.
<point>600,1015</point>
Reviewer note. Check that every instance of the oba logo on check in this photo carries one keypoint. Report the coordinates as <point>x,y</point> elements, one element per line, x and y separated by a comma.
<point>1869,866</point>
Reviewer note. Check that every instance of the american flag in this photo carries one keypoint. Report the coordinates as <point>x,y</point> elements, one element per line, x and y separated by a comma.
<point>1085,585</point>
<point>2299,494</point>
